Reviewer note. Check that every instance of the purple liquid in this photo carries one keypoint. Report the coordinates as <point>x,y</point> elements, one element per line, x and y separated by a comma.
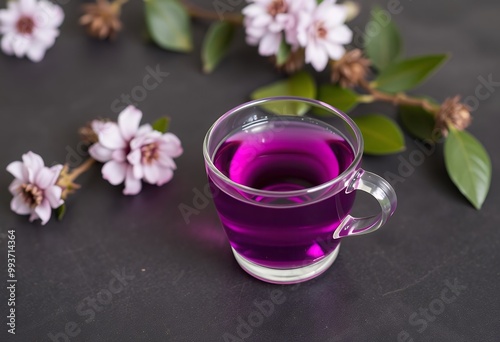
<point>301,155</point>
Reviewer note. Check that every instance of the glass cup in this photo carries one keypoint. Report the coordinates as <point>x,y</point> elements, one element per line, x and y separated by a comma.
<point>284,183</point>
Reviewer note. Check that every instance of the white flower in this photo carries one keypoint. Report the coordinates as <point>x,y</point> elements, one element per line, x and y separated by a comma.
<point>132,152</point>
<point>34,189</point>
<point>29,27</point>
<point>267,20</point>
<point>324,34</point>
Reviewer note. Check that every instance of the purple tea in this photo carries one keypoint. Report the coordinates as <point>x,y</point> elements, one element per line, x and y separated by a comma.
<point>299,156</point>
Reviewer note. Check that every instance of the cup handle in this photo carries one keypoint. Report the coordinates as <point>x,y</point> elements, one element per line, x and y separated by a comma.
<point>383,193</point>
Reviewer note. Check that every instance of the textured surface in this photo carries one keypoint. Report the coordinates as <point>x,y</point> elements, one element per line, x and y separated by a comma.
<point>186,285</point>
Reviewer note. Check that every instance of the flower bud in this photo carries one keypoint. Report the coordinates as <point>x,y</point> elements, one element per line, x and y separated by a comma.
<point>454,113</point>
<point>102,19</point>
<point>351,69</point>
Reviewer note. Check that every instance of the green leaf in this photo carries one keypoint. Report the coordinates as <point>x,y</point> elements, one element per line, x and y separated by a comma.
<point>384,47</point>
<point>161,125</point>
<point>419,122</point>
<point>381,134</point>
<point>168,24</point>
<point>283,53</point>
<point>409,73</point>
<point>216,44</point>
<point>60,211</point>
<point>300,84</point>
<point>341,98</point>
<point>468,166</point>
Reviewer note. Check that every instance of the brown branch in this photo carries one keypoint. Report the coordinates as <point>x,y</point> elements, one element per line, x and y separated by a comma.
<point>201,13</point>
<point>66,178</point>
<point>80,169</point>
<point>400,98</point>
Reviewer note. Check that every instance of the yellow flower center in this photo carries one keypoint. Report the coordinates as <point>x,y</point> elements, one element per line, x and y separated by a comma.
<point>32,194</point>
<point>149,153</point>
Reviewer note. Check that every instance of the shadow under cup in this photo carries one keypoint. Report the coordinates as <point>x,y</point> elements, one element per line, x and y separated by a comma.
<point>283,185</point>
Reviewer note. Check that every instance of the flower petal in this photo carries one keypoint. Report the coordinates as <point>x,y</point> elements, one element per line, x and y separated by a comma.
<point>46,36</point>
<point>171,145</point>
<point>44,178</point>
<point>166,175</point>
<point>100,153</point>
<point>133,185</point>
<point>44,211</point>
<point>54,13</point>
<point>144,129</point>
<point>14,187</point>
<point>97,125</point>
<point>27,7</point>
<point>8,17</point>
<point>56,171</point>
<point>36,52</point>
<point>270,43</point>
<point>340,35</point>
<point>138,171</point>
<point>34,216</point>
<point>151,173</point>
<point>165,161</point>
<point>262,20</point>
<point>114,172</point>
<point>20,45</point>
<point>119,156</point>
<point>254,10</point>
<point>33,163</point>
<point>330,14</point>
<point>8,43</point>
<point>128,121</point>
<point>134,157</point>
<point>53,195</point>
<point>18,170</point>
<point>110,137</point>
<point>19,205</point>
<point>316,56</point>
<point>334,51</point>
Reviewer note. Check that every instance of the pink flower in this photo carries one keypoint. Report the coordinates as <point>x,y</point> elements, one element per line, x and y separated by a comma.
<point>132,152</point>
<point>152,156</point>
<point>267,20</point>
<point>29,27</point>
<point>34,189</point>
<point>324,34</point>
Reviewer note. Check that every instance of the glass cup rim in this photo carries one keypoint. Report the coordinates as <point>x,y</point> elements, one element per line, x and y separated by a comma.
<point>258,192</point>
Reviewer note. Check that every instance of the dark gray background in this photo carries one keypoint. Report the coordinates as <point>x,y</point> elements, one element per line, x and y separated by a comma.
<point>187,286</point>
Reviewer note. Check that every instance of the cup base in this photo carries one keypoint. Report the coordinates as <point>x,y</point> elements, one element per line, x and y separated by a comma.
<point>286,276</point>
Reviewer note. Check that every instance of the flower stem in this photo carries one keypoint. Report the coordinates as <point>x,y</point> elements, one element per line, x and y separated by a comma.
<point>80,169</point>
<point>67,178</point>
<point>399,98</point>
<point>201,13</point>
